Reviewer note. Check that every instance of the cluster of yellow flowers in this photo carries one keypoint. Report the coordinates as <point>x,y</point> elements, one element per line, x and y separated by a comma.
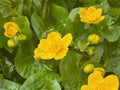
<point>54,46</point>
<point>97,82</point>
<point>11,29</point>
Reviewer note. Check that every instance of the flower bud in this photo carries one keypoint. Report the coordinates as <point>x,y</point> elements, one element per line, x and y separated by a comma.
<point>21,37</point>
<point>93,39</point>
<point>99,70</point>
<point>90,51</point>
<point>88,68</point>
<point>11,43</point>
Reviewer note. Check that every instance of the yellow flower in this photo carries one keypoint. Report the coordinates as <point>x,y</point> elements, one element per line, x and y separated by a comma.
<point>91,15</point>
<point>11,29</point>
<point>93,39</point>
<point>53,47</point>
<point>97,82</point>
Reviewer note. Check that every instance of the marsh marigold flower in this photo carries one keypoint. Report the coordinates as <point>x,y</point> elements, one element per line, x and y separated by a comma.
<point>93,39</point>
<point>91,15</point>
<point>53,47</point>
<point>97,82</point>
<point>11,29</point>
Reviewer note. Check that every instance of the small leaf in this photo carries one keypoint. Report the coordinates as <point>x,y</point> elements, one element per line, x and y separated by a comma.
<point>82,45</point>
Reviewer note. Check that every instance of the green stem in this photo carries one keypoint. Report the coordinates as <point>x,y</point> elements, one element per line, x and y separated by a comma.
<point>44,9</point>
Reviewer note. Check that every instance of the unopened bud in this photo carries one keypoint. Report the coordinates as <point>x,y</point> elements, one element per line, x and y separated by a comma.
<point>11,43</point>
<point>93,39</point>
<point>21,37</point>
<point>88,68</point>
<point>99,70</point>
<point>90,51</point>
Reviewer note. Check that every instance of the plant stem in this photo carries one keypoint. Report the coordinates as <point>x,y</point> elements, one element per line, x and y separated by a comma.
<point>44,9</point>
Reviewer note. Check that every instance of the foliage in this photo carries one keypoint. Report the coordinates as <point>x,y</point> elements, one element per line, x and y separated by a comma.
<point>36,19</point>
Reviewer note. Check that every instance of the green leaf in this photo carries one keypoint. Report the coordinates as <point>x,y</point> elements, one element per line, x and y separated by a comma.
<point>43,80</point>
<point>111,34</point>
<point>24,25</point>
<point>69,70</point>
<point>8,85</point>
<point>82,45</point>
<point>66,3</point>
<point>58,12</point>
<point>114,3</point>
<point>3,39</point>
<point>64,26</point>
<point>5,8</point>
<point>88,2</point>
<point>37,24</point>
<point>74,14</point>
<point>98,53</point>
<point>24,59</point>
<point>113,65</point>
<point>75,20</point>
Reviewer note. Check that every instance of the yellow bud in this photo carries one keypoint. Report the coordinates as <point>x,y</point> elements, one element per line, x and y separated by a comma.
<point>21,37</point>
<point>99,70</point>
<point>11,43</point>
<point>90,51</point>
<point>88,68</point>
<point>93,39</point>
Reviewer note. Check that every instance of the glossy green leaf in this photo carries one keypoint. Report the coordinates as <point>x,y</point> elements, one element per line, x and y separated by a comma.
<point>113,65</point>
<point>111,34</point>
<point>8,85</point>
<point>24,59</point>
<point>98,53</point>
<point>43,80</point>
<point>69,70</point>
<point>58,12</point>
<point>24,25</point>
<point>37,24</point>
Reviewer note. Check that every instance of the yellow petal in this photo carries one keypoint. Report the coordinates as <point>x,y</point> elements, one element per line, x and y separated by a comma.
<point>86,87</point>
<point>102,87</point>
<point>91,9</point>
<point>95,79</point>
<point>44,45</point>
<point>82,11</point>
<point>46,55</point>
<point>61,53</point>
<point>37,52</point>
<point>66,40</point>
<point>98,12</point>
<point>53,37</point>
<point>111,81</point>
